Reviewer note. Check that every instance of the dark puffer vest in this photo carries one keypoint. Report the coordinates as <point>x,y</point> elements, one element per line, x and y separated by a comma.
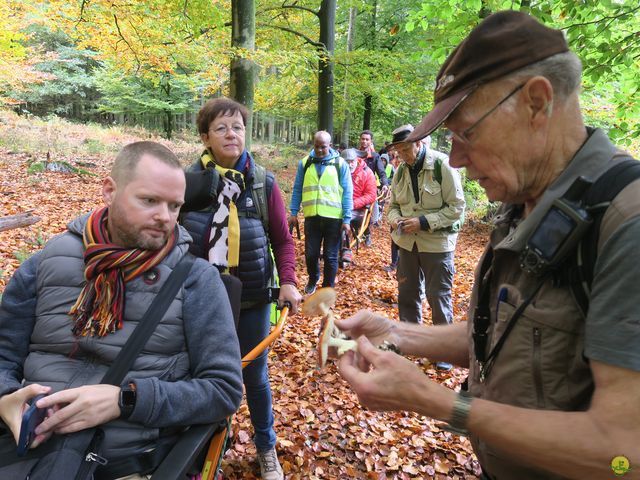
<point>255,268</point>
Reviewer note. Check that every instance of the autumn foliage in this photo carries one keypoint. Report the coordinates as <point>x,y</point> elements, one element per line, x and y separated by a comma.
<point>323,432</point>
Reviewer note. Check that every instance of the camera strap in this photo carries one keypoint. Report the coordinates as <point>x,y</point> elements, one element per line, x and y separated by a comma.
<point>482,317</point>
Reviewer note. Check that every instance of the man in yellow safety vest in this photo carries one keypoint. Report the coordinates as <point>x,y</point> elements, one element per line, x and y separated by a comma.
<point>324,189</point>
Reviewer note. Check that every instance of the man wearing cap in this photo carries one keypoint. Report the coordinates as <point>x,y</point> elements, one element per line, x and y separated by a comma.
<point>427,204</point>
<point>552,392</point>
<point>323,187</point>
<point>364,187</point>
<point>374,163</point>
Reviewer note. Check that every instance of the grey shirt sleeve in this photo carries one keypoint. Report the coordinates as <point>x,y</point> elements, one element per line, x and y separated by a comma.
<point>214,390</point>
<point>612,333</point>
<point>17,318</point>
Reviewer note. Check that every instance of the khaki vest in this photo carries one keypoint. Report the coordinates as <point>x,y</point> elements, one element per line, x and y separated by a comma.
<point>542,364</point>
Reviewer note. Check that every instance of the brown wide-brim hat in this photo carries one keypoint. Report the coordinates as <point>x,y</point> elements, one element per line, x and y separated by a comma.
<point>501,44</point>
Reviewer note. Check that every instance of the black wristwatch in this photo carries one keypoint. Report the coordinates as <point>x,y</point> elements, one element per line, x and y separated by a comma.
<point>127,400</point>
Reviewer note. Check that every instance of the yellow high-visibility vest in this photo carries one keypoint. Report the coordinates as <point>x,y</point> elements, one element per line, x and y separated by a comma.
<point>322,196</point>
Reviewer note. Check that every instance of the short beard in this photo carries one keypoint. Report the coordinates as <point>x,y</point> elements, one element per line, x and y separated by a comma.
<point>129,237</point>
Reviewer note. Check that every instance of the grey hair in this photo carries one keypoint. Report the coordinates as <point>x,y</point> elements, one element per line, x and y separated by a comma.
<point>563,70</point>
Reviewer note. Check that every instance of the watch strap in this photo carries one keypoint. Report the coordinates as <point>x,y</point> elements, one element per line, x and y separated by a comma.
<point>127,400</point>
<point>460,414</point>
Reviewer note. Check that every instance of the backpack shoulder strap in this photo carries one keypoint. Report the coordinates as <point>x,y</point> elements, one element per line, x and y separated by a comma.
<point>597,200</point>
<point>260,191</point>
<point>307,163</point>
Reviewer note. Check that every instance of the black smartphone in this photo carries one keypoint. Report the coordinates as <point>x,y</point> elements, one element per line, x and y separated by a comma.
<point>31,418</point>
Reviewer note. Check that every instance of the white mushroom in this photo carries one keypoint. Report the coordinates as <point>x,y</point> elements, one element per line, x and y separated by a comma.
<point>329,339</point>
<point>320,303</point>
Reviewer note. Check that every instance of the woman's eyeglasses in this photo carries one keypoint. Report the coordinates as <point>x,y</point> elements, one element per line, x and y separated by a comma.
<point>221,130</point>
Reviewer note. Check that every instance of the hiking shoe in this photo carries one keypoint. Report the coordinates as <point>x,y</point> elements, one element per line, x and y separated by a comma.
<point>389,268</point>
<point>367,241</point>
<point>309,289</point>
<point>443,366</point>
<point>347,256</point>
<point>270,468</point>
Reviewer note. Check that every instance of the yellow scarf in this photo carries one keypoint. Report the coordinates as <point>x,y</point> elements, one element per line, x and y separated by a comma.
<point>234,185</point>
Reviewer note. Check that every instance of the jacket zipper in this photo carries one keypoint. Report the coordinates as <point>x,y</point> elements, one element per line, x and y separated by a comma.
<point>537,366</point>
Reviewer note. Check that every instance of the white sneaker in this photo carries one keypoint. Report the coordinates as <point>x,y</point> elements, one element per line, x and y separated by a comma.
<point>270,468</point>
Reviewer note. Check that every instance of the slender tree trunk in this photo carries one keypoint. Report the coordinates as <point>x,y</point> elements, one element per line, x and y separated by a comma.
<point>373,44</point>
<point>327,15</point>
<point>243,35</point>
<point>366,117</point>
<point>351,37</point>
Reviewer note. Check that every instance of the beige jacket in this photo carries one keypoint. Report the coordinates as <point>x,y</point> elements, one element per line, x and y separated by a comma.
<point>442,204</point>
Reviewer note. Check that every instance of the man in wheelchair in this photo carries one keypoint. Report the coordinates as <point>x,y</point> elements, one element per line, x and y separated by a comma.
<point>69,310</point>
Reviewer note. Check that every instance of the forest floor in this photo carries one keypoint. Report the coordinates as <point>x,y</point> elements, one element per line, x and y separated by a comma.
<point>323,432</point>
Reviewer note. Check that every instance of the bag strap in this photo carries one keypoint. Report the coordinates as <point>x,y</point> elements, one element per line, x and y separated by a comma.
<point>597,200</point>
<point>88,441</point>
<point>149,322</point>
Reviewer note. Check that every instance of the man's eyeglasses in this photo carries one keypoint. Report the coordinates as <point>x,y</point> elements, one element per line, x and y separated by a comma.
<point>221,130</point>
<point>463,137</point>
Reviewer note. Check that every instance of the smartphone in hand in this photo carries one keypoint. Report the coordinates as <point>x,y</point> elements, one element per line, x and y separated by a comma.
<point>32,417</point>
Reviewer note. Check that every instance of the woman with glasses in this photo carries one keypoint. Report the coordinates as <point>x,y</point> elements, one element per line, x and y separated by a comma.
<point>240,219</point>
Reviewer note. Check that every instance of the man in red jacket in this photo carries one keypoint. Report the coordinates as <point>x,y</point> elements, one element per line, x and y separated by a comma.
<point>364,186</point>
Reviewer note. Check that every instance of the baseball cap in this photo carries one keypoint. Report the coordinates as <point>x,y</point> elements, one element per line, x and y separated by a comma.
<point>501,44</point>
<point>349,154</point>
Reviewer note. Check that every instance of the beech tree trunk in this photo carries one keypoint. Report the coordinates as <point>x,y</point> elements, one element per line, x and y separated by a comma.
<point>327,15</point>
<point>243,35</point>
<point>351,36</point>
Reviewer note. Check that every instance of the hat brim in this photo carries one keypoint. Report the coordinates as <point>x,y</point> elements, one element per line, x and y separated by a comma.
<point>438,115</point>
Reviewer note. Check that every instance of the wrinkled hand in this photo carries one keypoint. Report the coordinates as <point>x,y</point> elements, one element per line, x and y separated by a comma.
<point>292,221</point>
<point>289,293</point>
<point>410,225</point>
<point>380,379</point>
<point>391,382</point>
<point>366,323</point>
<point>13,406</point>
<point>80,408</point>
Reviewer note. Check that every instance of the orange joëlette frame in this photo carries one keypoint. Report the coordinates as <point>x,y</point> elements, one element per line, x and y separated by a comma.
<point>216,447</point>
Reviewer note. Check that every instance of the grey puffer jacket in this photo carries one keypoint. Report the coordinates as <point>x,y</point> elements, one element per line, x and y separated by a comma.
<point>188,373</point>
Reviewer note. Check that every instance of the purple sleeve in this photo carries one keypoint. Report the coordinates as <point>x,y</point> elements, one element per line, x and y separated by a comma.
<point>280,238</point>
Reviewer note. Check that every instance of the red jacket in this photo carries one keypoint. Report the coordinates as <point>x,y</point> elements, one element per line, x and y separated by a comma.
<point>364,186</point>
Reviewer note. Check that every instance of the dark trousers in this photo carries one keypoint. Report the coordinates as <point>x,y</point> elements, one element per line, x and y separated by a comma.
<point>321,232</point>
<point>395,253</point>
<point>437,269</point>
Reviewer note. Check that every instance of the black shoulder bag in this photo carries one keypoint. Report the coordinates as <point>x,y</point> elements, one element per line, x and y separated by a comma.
<point>76,456</point>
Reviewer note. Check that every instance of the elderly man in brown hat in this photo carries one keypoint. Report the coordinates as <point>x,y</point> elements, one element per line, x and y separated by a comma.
<point>554,366</point>
<point>425,214</point>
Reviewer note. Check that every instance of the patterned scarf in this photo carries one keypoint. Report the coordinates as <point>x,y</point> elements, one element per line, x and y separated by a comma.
<point>100,307</point>
<point>224,237</point>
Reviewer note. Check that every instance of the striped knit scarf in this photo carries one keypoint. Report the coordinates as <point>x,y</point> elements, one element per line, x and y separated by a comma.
<point>224,236</point>
<point>100,307</point>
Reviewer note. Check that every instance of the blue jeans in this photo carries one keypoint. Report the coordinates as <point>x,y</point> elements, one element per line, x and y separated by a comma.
<point>319,231</point>
<point>437,269</point>
<point>253,327</point>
